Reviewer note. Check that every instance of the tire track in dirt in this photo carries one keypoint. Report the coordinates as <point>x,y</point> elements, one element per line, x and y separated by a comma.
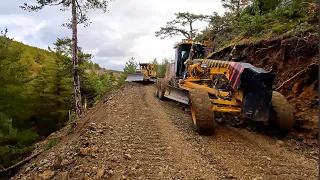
<point>247,155</point>
<point>184,155</point>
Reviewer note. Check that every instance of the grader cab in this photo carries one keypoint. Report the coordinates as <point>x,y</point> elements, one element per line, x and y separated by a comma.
<point>209,86</point>
<point>146,72</point>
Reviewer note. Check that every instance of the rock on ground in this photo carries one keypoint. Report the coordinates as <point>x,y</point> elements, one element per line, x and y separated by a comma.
<point>132,135</point>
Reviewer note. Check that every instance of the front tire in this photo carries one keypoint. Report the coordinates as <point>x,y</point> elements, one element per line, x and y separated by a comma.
<point>281,113</point>
<point>201,112</point>
<point>162,88</point>
<point>156,93</point>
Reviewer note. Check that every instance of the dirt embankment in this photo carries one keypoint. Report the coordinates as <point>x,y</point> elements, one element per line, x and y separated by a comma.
<point>133,135</point>
<point>294,60</point>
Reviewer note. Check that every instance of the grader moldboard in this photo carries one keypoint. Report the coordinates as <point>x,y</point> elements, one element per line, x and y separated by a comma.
<point>145,73</point>
<point>209,86</point>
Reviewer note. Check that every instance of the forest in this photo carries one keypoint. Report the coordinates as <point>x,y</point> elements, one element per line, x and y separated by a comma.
<point>36,90</point>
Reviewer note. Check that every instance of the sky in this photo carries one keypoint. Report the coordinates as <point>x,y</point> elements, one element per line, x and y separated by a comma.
<point>127,30</point>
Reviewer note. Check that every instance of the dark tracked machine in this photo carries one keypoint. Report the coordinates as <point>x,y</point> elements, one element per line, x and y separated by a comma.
<point>209,86</point>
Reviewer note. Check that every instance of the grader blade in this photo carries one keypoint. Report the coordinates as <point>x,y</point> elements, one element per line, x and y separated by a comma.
<point>134,77</point>
<point>179,95</point>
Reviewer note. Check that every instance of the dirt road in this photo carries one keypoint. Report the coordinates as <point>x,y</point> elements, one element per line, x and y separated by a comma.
<point>133,135</point>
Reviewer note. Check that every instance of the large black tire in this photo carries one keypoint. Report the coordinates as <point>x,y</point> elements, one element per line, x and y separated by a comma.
<point>281,113</point>
<point>201,111</point>
<point>162,89</point>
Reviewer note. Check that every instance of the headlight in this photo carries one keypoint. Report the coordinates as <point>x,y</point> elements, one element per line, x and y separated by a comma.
<point>204,65</point>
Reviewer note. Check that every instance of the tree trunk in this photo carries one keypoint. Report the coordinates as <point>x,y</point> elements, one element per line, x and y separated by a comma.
<point>76,79</point>
<point>69,113</point>
<point>191,31</point>
<point>85,105</point>
<point>238,8</point>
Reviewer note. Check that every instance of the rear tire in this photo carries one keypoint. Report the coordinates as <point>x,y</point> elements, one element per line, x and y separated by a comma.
<point>162,88</point>
<point>156,93</point>
<point>201,111</point>
<point>281,113</point>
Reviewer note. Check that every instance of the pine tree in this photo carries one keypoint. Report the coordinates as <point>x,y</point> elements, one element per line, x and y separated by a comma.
<point>78,12</point>
<point>12,75</point>
<point>234,6</point>
<point>14,142</point>
<point>182,25</point>
<point>130,68</point>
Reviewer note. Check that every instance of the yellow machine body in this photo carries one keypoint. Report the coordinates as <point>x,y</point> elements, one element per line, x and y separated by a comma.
<point>214,68</point>
<point>146,72</point>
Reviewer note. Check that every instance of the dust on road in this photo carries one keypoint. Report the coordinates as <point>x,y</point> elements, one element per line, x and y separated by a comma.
<point>133,135</point>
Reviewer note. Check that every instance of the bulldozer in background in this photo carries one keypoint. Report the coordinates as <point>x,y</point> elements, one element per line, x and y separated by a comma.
<point>145,73</point>
<point>208,86</point>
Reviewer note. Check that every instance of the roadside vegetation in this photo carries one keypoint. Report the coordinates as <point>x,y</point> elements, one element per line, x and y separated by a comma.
<point>36,90</point>
<point>247,21</point>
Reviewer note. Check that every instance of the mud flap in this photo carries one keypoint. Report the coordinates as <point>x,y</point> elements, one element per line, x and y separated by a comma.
<point>179,95</point>
<point>135,77</point>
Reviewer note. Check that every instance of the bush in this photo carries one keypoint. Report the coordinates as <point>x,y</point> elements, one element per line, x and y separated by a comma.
<point>304,27</point>
<point>52,143</point>
<point>130,68</point>
<point>253,25</point>
<point>261,18</point>
<point>14,144</point>
<point>279,29</point>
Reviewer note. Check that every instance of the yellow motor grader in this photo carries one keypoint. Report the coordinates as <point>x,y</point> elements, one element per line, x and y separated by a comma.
<point>146,72</point>
<point>209,86</point>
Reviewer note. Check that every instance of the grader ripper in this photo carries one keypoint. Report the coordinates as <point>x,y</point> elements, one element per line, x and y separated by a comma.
<point>146,72</point>
<point>209,86</point>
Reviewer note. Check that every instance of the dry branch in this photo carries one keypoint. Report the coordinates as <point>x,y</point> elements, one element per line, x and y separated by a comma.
<point>21,162</point>
<point>269,47</point>
<point>303,70</point>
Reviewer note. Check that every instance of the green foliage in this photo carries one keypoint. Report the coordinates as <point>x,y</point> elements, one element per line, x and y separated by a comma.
<point>14,144</point>
<point>130,68</point>
<point>155,62</point>
<point>265,6</point>
<point>260,18</point>
<point>233,6</point>
<point>94,86</point>
<point>161,67</point>
<point>52,142</point>
<point>253,24</point>
<point>285,27</point>
<point>132,65</point>
<point>82,8</point>
<point>12,74</point>
<point>36,93</point>
<point>63,46</point>
<point>182,25</point>
<point>79,11</point>
<point>304,27</point>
